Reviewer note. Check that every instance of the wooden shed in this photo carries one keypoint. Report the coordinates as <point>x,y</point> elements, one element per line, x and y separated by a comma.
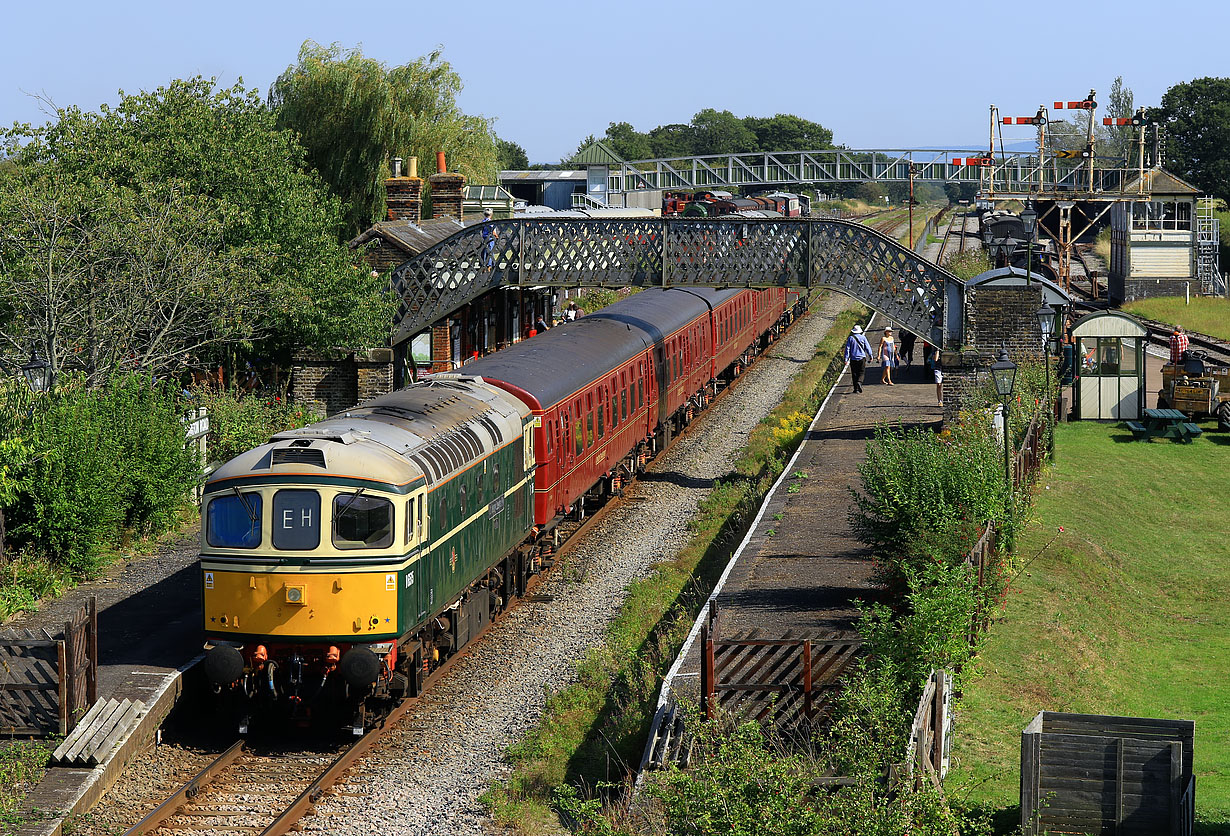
<point>1092,774</point>
<point>1110,367</point>
<point>1153,240</point>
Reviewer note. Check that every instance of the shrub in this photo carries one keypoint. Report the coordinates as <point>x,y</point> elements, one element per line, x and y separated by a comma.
<point>924,498</point>
<point>239,422</point>
<point>101,461</point>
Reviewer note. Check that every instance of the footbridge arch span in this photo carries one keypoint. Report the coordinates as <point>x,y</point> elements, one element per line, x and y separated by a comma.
<point>799,253</point>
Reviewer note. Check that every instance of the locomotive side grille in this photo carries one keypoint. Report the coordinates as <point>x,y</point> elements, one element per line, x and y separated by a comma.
<point>428,468</point>
<point>298,455</point>
<point>497,437</point>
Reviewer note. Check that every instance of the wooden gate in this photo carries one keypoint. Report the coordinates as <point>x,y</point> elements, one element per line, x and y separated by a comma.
<point>48,682</point>
<point>787,681</point>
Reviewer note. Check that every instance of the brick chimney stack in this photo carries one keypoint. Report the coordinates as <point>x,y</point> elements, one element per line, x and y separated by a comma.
<point>447,191</point>
<point>404,195</point>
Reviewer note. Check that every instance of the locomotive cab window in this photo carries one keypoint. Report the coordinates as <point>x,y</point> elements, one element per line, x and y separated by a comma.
<point>362,522</point>
<point>296,520</point>
<point>234,521</point>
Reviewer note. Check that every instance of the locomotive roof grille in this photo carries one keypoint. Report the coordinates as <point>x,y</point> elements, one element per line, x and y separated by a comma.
<point>298,455</point>
<point>427,466</point>
<point>497,436</point>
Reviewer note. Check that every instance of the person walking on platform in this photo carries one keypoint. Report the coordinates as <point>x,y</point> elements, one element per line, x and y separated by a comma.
<point>938,371</point>
<point>858,351</point>
<point>887,355</point>
<point>907,347</point>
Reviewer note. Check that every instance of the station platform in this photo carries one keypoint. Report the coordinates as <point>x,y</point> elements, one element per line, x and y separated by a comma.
<point>800,568</point>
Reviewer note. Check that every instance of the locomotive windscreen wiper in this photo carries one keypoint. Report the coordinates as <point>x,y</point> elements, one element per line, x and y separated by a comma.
<point>253,517</point>
<point>350,502</point>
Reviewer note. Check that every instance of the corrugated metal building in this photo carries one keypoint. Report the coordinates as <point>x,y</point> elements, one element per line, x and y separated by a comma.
<point>544,188</point>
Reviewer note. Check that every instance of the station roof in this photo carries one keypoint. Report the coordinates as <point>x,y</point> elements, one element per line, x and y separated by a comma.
<point>413,238</point>
<point>541,175</point>
<point>1109,324</point>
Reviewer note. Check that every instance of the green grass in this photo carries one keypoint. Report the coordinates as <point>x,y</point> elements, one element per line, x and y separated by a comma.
<point>595,729</point>
<point>1123,612</point>
<point>1205,315</point>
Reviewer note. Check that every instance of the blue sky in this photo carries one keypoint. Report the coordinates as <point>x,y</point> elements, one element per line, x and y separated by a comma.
<point>880,75</point>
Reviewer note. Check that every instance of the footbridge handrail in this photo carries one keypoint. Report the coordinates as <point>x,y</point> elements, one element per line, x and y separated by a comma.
<point>669,252</point>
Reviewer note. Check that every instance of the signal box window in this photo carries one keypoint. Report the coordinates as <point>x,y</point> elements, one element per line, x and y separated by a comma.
<point>362,522</point>
<point>296,520</point>
<point>234,521</point>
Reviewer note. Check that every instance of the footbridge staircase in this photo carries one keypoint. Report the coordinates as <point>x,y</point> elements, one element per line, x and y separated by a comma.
<point>798,253</point>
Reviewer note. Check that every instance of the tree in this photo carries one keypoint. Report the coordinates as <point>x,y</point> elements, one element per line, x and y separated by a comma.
<point>177,223</point>
<point>628,142</point>
<point>672,141</point>
<point>1195,116</point>
<point>512,156</point>
<point>1119,141</point>
<point>786,132</point>
<point>353,114</point>
<point>721,132</point>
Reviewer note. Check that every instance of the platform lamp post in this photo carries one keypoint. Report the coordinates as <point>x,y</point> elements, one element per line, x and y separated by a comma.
<point>1003,374</point>
<point>38,374</point>
<point>1029,224</point>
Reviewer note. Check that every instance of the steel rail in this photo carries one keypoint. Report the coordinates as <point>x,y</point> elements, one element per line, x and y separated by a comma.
<point>154,819</point>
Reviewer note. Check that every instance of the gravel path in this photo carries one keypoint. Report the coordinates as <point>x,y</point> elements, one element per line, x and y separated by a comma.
<point>427,774</point>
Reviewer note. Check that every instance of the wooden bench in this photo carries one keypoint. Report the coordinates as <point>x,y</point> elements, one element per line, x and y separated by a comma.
<point>1138,429</point>
<point>1192,430</point>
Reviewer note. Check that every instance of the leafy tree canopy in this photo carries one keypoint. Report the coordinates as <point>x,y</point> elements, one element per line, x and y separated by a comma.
<point>177,222</point>
<point>1195,116</point>
<point>353,114</point>
<point>713,131</point>
<point>512,156</point>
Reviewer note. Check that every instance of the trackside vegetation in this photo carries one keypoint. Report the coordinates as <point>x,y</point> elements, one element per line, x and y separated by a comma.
<point>1203,314</point>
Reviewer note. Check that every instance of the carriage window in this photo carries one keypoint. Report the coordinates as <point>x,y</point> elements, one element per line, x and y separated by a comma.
<point>580,437</point>
<point>362,522</point>
<point>640,394</point>
<point>601,416</point>
<point>589,429</point>
<point>420,517</point>
<point>461,498</point>
<point>296,520</point>
<point>623,403</point>
<point>409,520</point>
<point>499,486</point>
<point>234,521</point>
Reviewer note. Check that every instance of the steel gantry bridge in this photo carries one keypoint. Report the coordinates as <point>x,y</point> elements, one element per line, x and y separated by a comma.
<point>659,252</point>
<point>1004,174</point>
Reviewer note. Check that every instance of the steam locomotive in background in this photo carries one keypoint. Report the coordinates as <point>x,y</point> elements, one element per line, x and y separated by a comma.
<point>711,204</point>
<point>342,562</point>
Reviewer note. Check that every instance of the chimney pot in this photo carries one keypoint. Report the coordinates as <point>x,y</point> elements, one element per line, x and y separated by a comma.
<point>397,166</point>
<point>413,166</point>
<point>441,168</point>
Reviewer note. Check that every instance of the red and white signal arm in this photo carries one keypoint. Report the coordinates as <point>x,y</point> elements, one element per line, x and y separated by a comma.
<point>972,161</point>
<point>1088,104</point>
<point>1024,120</point>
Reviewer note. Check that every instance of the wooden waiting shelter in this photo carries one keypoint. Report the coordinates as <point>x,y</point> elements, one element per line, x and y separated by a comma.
<point>1110,367</point>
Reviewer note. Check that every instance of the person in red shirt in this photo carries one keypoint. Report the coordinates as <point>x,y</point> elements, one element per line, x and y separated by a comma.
<point>1178,344</point>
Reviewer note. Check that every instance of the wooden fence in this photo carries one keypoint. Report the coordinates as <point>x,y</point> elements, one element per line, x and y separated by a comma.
<point>786,681</point>
<point>926,755</point>
<point>1086,773</point>
<point>1028,459</point>
<point>48,682</point>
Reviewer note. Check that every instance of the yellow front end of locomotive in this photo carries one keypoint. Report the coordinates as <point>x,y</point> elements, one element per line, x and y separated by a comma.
<point>313,606</point>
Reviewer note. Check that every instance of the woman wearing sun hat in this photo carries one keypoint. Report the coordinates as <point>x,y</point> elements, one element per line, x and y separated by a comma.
<point>888,356</point>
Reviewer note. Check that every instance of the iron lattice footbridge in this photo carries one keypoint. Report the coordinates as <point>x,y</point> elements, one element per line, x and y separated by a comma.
<point>657,252</point>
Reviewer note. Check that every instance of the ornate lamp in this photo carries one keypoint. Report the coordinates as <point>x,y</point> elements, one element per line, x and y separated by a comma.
<point>1003,373</point>
<point>38,373</point>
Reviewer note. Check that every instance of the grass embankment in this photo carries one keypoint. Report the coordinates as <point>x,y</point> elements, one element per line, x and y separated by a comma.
<point>1205,315</point>
<point>1123,612</point>
<point>595,729</point>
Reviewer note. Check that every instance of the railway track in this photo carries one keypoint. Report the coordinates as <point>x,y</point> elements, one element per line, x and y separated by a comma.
<point>1159,334</point>
<point>957,219</point>
<point>259,792</point>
